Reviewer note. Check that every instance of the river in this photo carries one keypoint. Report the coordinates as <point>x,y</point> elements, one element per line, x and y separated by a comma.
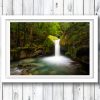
<point>47,66</point>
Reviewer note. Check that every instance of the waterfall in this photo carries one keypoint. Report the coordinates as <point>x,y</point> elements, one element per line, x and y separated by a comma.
<point>57,59</point>
<point>57,47</point>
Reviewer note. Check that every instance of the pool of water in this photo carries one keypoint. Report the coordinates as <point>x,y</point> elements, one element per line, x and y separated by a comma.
<point>53,65</point>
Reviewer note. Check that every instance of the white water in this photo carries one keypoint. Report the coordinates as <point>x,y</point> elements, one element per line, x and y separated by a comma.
<point>57,58</point>
<point>57,47</point>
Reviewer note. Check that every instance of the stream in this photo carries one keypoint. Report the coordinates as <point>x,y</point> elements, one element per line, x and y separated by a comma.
<point>47,66</point>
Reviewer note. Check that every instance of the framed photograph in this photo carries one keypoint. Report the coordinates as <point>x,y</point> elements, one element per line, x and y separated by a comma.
<point>49,48</point>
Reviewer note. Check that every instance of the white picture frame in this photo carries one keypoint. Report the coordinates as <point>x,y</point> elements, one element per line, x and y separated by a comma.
<point>5,50</point>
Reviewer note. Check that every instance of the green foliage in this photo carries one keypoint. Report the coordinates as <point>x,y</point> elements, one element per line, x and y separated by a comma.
<point>76,37</point>
<point>52,38</point>
<point>23,33</point>
<point>27,45</point>
<point>64,26</point>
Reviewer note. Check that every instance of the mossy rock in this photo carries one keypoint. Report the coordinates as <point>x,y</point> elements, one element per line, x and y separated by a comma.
<point>52,38</point>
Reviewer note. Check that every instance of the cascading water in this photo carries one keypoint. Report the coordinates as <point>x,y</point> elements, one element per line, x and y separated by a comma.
<point>57,47</point>
<point>57,59</point>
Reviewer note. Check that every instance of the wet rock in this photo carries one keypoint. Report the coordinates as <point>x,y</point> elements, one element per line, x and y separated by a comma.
<point>25,72</point>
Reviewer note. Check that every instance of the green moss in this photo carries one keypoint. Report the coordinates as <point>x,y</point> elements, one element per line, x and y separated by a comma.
<point>52,38</point>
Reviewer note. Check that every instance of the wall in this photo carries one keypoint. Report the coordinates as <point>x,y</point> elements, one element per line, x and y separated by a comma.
<point>54,91</point>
